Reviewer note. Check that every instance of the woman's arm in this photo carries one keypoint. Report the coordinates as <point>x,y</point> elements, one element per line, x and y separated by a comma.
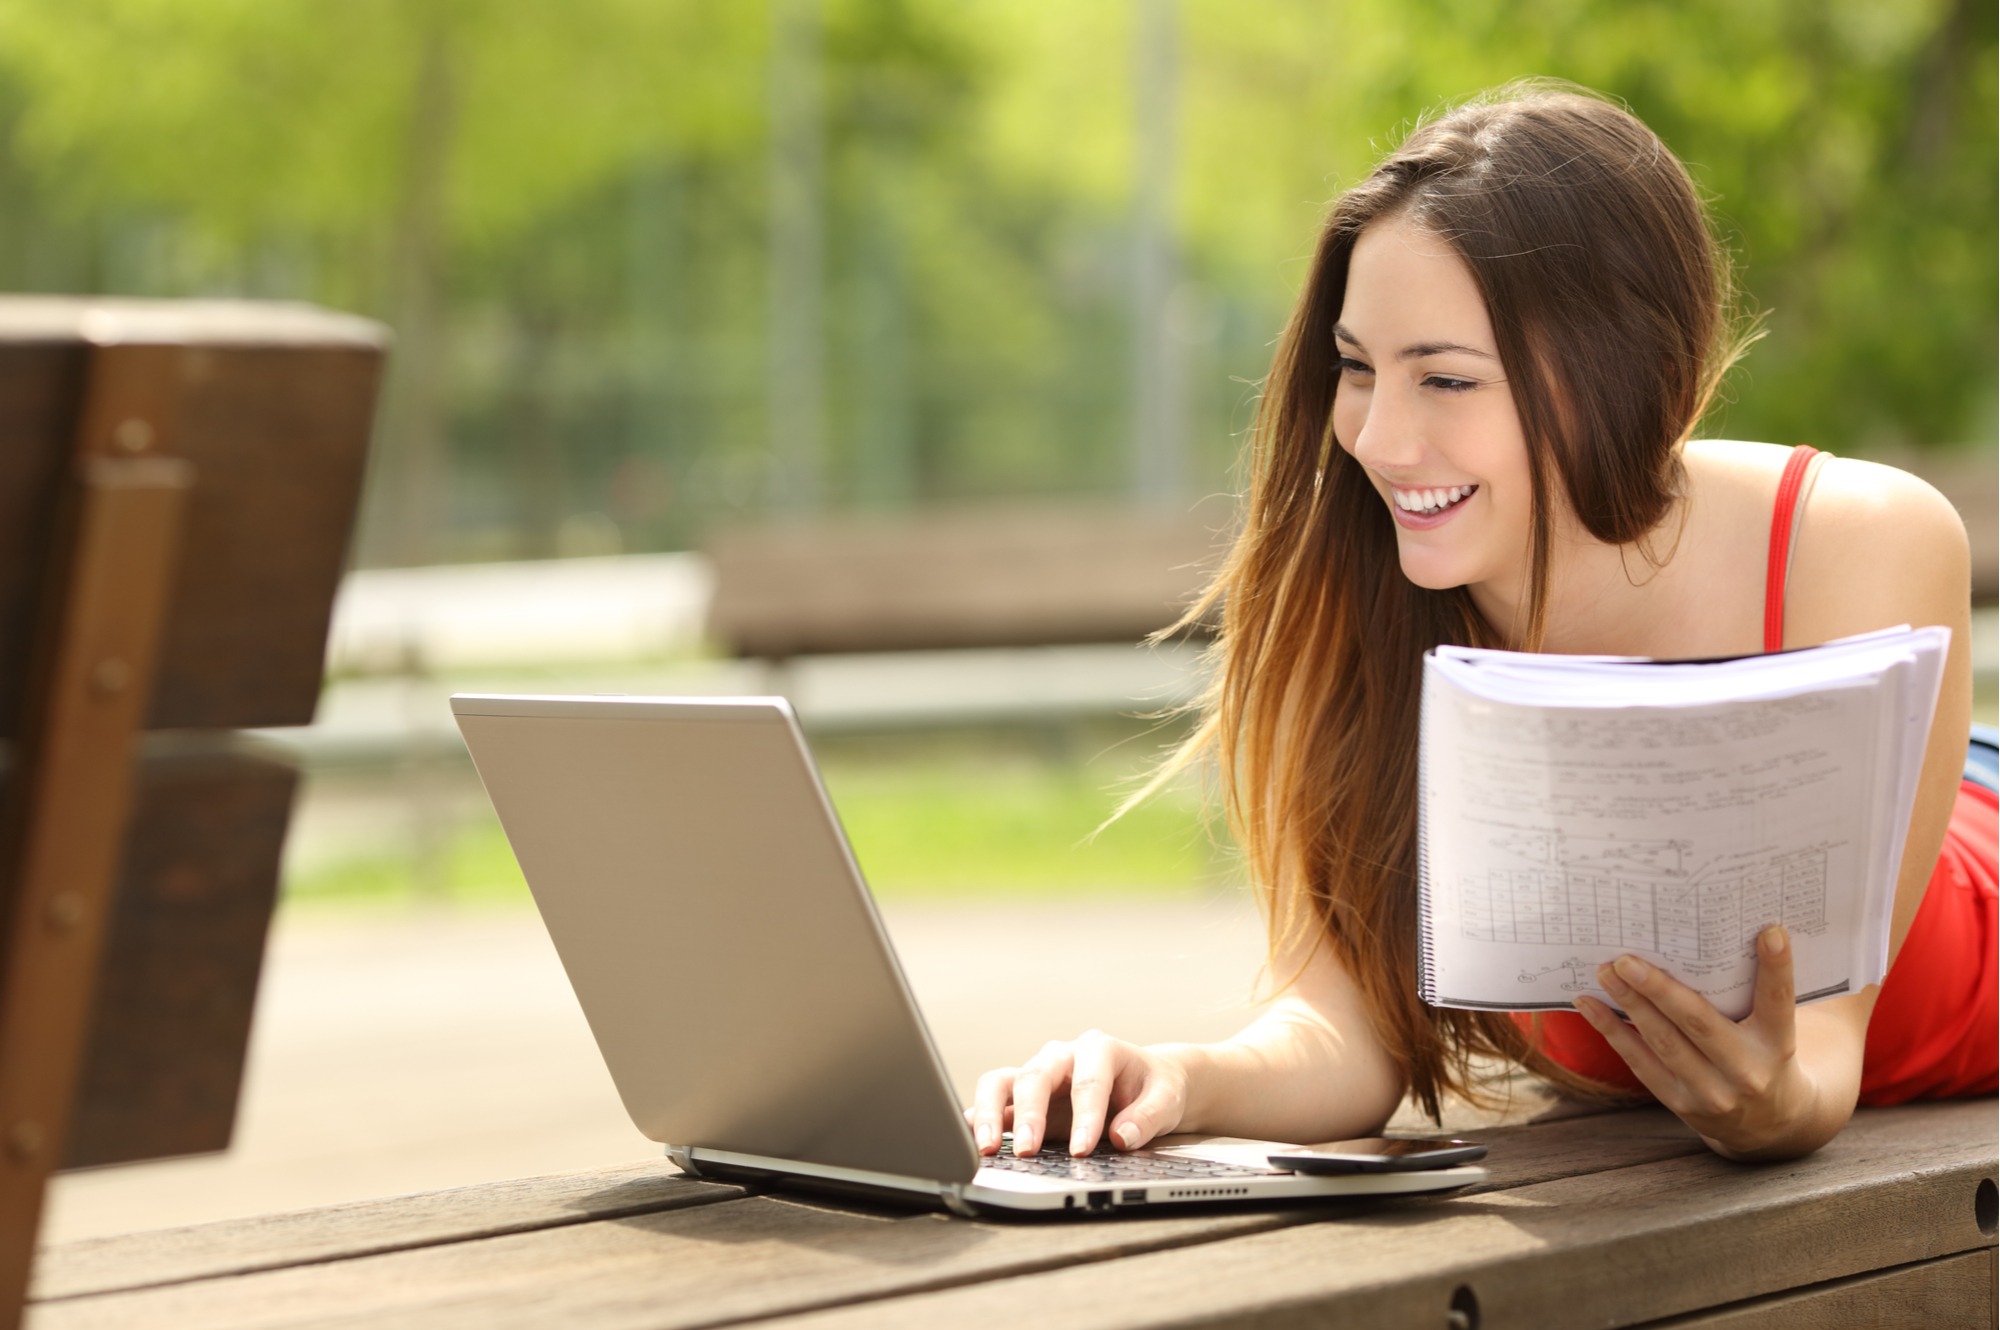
<point>1308,1069</point>
<point>1878,548</point>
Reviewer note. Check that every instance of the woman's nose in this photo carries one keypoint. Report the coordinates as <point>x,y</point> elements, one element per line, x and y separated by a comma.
<point>1388,438</point>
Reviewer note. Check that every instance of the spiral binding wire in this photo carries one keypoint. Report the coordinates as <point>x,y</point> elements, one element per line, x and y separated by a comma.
<point>1426,945</point>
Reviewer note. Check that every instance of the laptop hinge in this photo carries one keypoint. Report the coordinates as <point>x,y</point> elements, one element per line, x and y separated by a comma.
<point>683,1158</point>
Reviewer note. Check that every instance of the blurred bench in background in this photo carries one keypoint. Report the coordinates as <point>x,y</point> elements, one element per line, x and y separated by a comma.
<point>979,578</point>
<point>1058,575</point>
<point>177,487</point>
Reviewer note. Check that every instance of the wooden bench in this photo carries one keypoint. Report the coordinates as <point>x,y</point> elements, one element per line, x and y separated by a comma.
<point>176,491</point>
<point>1607,1219</point>
<point>997,577</point>
<point>1050,575</point>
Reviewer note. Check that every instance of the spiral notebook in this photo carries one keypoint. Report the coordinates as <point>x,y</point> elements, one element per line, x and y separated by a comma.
<point>1572,809</point>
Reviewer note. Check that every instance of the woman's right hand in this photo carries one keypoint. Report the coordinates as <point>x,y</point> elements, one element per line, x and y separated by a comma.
<point>1137,1093</point>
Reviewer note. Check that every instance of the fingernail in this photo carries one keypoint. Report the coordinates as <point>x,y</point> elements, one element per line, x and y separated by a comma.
<point>1772,941</point>
<point>1608,977</point>
<point>1127,1134</point>
<point>1631,969</point>
<point>1021,1139</point>
<point>983,1133</point>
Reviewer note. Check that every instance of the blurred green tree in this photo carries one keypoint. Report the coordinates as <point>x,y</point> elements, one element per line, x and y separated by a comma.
<point>565,215</point>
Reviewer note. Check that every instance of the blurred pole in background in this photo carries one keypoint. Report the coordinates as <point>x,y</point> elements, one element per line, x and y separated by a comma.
<point>665,426</point>
<point>1159,416</point>
<point>408,480</point>
<point>885,426</point>
<point>797,200</point>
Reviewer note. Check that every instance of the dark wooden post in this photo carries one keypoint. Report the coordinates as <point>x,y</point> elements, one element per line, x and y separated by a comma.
<point>103,605</point>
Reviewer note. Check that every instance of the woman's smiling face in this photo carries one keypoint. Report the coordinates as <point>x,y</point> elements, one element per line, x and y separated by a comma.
<point>1423,405</point>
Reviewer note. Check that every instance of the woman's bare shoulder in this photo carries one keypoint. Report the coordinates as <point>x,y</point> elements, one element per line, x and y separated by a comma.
<point>1854,496</point>
<point>1732,483</point>
<point>1876,546</point>
<point>1846,498</point>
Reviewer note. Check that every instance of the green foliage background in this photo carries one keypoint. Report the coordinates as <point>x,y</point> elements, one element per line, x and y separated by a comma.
<point>563,208</point>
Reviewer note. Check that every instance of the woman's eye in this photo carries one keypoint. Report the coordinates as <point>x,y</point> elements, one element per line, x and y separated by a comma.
<point>1444,383</point>
<point>1349,365</point>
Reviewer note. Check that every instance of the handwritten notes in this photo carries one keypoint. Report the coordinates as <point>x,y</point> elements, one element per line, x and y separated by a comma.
<point>1574,809</point>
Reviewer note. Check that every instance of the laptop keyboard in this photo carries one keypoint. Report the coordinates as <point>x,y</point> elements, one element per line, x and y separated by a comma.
<point>1106,1165</point>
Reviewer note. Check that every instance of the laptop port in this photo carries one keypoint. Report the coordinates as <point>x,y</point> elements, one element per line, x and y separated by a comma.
<point>1133,1195</point>
<point>1100,1200</point>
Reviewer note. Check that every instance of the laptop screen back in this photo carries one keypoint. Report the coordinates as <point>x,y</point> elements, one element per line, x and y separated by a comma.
<point>716,930</point>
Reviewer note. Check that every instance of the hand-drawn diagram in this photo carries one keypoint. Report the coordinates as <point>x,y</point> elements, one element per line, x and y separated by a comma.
<point>1642,895</point>
<point>1575,966</point>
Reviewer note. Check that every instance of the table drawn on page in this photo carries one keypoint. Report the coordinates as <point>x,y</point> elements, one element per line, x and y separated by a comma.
<point>1565,892</point>
<point>1584,833</point>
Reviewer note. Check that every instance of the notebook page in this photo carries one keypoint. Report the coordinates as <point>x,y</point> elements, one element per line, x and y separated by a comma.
<point>1556,678</point>
<point>1544,854</point>
<point>1907,727</point>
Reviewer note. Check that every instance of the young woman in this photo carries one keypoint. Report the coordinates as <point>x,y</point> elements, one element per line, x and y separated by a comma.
<point>1477,430</point>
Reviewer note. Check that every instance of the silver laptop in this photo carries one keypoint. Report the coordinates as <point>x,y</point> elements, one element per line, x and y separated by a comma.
<point>739,982</point>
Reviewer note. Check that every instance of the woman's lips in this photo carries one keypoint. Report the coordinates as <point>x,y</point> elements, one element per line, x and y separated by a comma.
<point>1410,521</point>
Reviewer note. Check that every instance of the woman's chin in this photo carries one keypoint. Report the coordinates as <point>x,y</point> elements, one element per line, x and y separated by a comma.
<point>1423,569</point>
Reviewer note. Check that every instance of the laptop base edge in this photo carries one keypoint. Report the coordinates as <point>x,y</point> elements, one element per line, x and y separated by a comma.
<point>974,1200</point>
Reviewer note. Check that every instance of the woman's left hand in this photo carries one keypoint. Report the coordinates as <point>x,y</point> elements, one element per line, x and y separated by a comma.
<point>1739,1083</point>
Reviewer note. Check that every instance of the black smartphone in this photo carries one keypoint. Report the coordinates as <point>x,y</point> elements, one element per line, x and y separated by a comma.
<point>1380,1154</point>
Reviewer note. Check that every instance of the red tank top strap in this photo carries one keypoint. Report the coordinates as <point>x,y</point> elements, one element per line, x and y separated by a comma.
<point>1783,514</point>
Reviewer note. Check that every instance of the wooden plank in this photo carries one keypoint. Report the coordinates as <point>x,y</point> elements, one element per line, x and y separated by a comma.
<point>1523,1155</point>
<point>713,1264</point>
<point>765,1255</point>
<point>164,1058</point>
<point>1615,1248</point>
<point>41,391</point>
<point>999,577</point>
<point>280,436</point>
<point>39,319</point>
<point>1544,1151</point>
<point>1956,1291</point>
<point>275,411</point>
<point>365,1228</point>
<point>118,531</point>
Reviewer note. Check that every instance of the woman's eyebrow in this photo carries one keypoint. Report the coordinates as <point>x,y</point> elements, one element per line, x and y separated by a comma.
<point>1419,350</point>
<point>1422,349</point>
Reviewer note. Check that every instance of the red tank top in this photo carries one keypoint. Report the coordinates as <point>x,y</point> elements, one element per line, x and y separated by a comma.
<point>1935,1031</point>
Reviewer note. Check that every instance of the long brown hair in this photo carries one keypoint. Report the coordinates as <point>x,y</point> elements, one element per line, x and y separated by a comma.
<point>1610,304</point>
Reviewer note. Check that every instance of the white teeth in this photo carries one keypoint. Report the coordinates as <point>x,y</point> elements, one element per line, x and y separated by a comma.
<point>1430,500</point>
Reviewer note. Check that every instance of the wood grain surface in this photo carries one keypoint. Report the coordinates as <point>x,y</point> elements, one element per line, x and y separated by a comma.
<point>198,881</point>
<point>1622,1246</point>
<point>1950,1291</point>
<point>1603,1220</point>
<point>276,407</point>
<point>365,1228</point>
